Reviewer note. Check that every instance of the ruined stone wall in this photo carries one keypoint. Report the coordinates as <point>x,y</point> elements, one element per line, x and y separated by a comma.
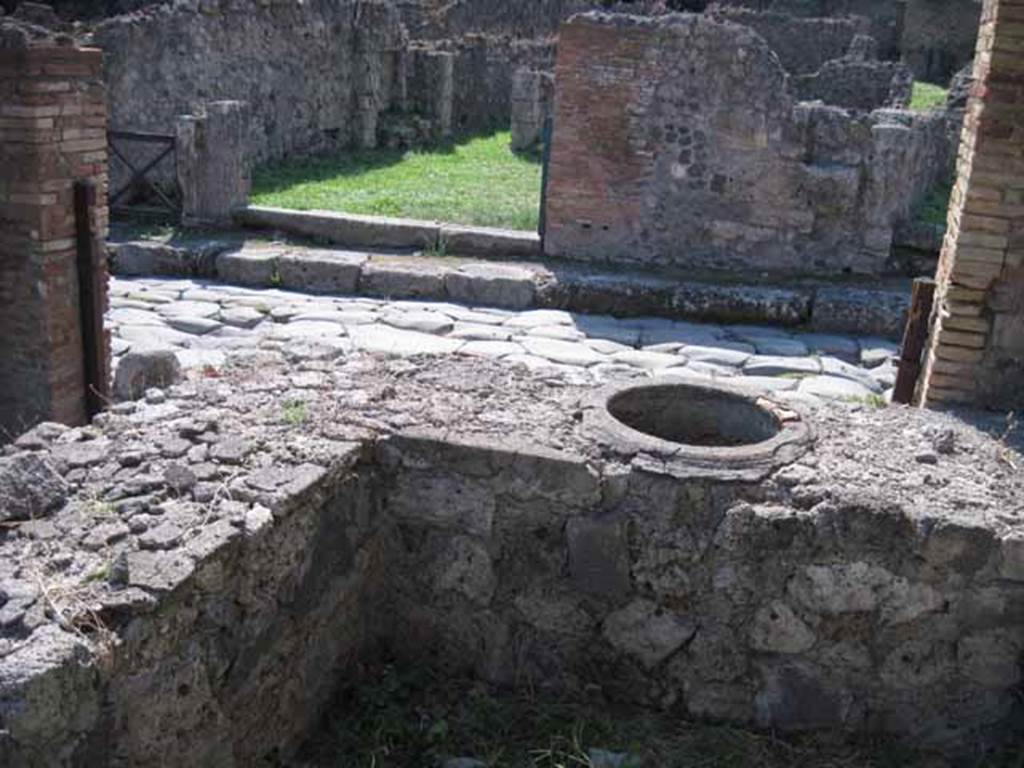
<point>52,134</point>
<point>318,74</point>
<point>885,17</point>
<point>803,44</point>
<point>184,581</point>
<point>857,84</point>
<point>939,37</point>
<point>977,346</point>
<point>677,143</point>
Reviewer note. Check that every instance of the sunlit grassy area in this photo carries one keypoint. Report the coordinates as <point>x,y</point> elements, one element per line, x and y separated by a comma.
<point>927,96</point>
<point>479,181</point>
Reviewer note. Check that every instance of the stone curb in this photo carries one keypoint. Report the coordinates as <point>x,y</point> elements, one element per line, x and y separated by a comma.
<point>541,285</point>
<point>352,231</point>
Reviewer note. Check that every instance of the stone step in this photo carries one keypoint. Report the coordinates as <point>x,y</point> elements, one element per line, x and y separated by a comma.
<point>549,284</point>
<point>354,231</point>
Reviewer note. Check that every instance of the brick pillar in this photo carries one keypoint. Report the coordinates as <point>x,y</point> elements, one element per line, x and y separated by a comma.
<point>52,134</point>
<point>976,353</point>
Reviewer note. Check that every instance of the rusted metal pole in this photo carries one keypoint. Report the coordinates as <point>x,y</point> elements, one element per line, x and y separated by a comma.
<point>915,337</point>
<point>91,292</point>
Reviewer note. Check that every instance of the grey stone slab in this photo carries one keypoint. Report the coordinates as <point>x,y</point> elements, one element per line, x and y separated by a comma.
<point>479,332</point>
<point>321,271</point>
<point>248,267</point>
<point>491,242</point>
<point>306,330</point>
<point>835,387</point>
<point>780,347</point>
<point>539,317</point>
<point>189,309</point>
<point>495,285</point>
<point>422,321</point>
<point>396,342</point>
<point>194,325</point>
<point>650,361</point>
<point>133,316</point>
<point>719,355</point>
<point>606,327</point>
<point>242,317</point>
<point>875,351</point>
<point>154,336</point>
<point>605,346</point>
<point>491,348</point>
<point>350,230</point>
<point>565,352</point>
<point>831,344</point>
<point>394,279</point>
<point>832,366</point>
<point>766,365</point>
<point>563,332</point>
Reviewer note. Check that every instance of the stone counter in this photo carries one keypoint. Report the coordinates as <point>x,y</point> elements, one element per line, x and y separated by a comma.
<point>186,580</point>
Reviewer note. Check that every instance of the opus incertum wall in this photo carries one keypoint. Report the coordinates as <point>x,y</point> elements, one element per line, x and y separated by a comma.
<point>223,567</point>
<point>52,134</point>
<point>977,351</point>
<point>677,143</point>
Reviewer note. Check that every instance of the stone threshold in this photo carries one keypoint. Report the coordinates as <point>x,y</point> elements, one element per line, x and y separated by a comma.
<point>851,307</point>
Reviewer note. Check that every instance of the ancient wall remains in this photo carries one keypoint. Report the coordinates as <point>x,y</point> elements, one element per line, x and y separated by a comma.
<point>224,566</point>
<point>977,351</point>
<point>52,134</point>
<point>939,37</point>
<point>677,143</point>
<point>318,74</point>
<point>803,44</point>
<point>857,84</point>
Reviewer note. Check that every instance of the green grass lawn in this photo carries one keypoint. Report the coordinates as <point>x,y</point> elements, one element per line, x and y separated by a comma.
<point>927,96</point>
<point>479,181</point>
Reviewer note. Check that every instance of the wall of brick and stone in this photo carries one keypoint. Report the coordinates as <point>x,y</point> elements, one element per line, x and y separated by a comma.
<point>977,351</point>
<point>677,143</point>
<point>319,74</point>
<point>52,134</point>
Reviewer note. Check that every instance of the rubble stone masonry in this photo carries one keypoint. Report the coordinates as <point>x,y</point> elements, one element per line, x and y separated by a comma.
<point>52,134</point>
<point>977,352</point>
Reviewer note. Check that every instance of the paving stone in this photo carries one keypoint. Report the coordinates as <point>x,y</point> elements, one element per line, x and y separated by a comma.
<point>308,329</point>
<point>203,294</point>
<point>767,365</point>
<point>242,317</point>
<point>151,336</point>
<point>131,316</point>
<point>540,317</point>
<point>563,332</point>
<point>660,331</point>
<point>567,352</point>
<point>197,326</point>
<point>835,387</point>
<point>401,343</point>
<point>497,285</point>
<point>669,347</point>
<point>748,332</point>
<point>874,352</point>
<point>830,344</point>
<point>478,332</point>
<point>189,309</point>
<point>357,317</point>
<point>780,347</point>
<point>606,327</point>
<point>491,348</point>
<point>650,361</point>
<point>712,369</point>
<point>833,366</point>
<point>719,355</point>
<point>424,322</point>
<point>605,346</point>
<point>885,374</point>
<point>765,383</point>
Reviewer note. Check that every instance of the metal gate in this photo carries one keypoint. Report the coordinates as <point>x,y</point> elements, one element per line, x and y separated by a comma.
<point>142,179</point>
